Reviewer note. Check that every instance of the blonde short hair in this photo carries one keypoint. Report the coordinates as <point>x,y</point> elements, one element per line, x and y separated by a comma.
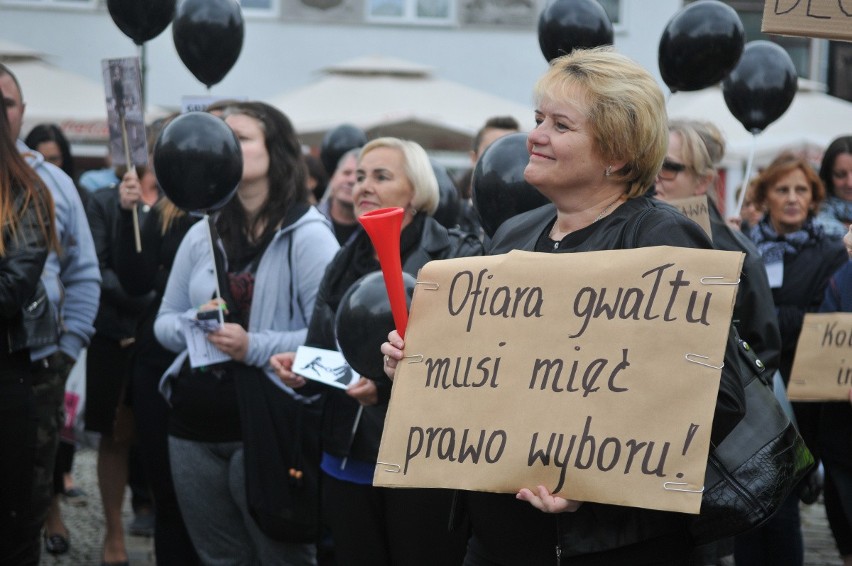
<point>702,147</point>
<point>626,109</point>
<point>417,168</point>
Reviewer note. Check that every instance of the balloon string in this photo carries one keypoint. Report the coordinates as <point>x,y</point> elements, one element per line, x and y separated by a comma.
<point>749,165</point>
<point>215,270</point>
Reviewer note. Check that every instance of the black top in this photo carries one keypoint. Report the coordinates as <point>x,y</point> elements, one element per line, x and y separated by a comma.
<point>422,241</point>
<point>509,532</point>
<point>141,273</point>
<point>119,311</point>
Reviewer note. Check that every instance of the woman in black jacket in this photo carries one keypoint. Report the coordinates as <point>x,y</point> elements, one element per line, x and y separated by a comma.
<point>372,525</point>
<point>27,221</point>
<point>799,258</point>
<point>599,142</point>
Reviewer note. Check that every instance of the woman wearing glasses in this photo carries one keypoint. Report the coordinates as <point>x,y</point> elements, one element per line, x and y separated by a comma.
<point>689,170</point>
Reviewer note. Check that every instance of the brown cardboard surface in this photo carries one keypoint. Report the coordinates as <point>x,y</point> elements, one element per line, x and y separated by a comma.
<point>822,368</point>
<point>626,414</point>
<point>697,210</point>
<point>830,19</point>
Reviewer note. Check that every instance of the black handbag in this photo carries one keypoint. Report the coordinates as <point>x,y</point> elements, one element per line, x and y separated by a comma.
<point>281,447</point>
<point>757,465</point>
<point>39,325</point>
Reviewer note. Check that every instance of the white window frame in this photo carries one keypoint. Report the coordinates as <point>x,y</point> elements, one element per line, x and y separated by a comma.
<point>410,17</point>
<point>620,25</point>
<point>273,11</point>
<point>53,4</point>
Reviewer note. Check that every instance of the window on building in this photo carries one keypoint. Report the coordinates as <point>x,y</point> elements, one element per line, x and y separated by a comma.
<point>87,4</point>
<point>613,10</point>
<point>259,7</point>
<point>428,12</point>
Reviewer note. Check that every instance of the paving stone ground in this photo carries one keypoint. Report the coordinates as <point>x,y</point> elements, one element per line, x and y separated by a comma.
<point>86,526</point>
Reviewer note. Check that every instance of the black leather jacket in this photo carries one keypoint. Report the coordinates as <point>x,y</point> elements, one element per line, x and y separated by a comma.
<point>20,269</point>
<point>119,311</point>
<point>511,532</point>
<point>436,242</point>
<point>754,310</point>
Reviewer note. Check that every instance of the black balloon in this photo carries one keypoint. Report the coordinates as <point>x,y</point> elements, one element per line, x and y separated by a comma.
<point>198,161</point>
<point>568,24</point>
<point>449,201</point>
<point>208,36</point>
<point>762,86</point>
<point>141,21</point>
<point>363,321</point>
<point>338,141</point>
<point>700,45</point>
<point>499,188</point>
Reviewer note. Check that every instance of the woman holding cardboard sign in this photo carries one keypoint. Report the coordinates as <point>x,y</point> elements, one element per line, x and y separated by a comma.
<point>600,140</point>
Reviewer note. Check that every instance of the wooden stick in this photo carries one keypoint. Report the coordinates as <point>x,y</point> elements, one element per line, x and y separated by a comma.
<point>136,234</point>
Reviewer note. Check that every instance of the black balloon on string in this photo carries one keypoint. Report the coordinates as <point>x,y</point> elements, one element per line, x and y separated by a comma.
<point>141,21</point>
<point>499,188</point>
<point>208,36</point>
<point>363,321</point>
<point>762,85</point>
<point>337,142</point>
<point>568,24</point>
<point>198,162</point>
<point>449,200</point>
<point>700,45</point>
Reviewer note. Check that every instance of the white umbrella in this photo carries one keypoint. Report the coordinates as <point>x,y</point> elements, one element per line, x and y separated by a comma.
<point>54,95</point>
<point>388,96</point>
<point>809,124</point>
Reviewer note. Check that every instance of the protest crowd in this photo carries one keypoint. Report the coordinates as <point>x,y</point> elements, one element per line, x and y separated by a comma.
<point>232,297</point>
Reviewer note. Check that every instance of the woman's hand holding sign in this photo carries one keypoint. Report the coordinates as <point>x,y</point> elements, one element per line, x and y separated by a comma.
<point>392,349</point>
<point>541,498</point>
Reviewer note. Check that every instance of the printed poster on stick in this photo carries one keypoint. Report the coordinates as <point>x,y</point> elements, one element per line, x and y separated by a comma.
<point>822,368</point>
<point>594,374</point>
<point>125,112</point>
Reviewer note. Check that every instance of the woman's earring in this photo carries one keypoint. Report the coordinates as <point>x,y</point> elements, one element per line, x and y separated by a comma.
<point>608,171</point>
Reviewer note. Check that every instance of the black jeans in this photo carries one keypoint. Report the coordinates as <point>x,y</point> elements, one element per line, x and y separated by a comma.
<point>19,542</point>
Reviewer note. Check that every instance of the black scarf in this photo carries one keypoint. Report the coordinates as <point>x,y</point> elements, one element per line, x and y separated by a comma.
<point>358,259</point>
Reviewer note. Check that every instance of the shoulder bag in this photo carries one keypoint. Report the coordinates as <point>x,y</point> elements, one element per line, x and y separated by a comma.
<point>759,461</point>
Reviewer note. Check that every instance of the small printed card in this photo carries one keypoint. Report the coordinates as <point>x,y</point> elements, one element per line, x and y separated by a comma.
<point>201,351</point>
<point>325,366</point>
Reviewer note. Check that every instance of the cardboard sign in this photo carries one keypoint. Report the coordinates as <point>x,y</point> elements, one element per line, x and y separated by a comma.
<point>594,374</point>
<point>822,368</point>
<point>830,19</point>
<point>697,210</point>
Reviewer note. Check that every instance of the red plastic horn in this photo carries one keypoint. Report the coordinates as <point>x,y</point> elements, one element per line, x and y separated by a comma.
<point>384,226</point>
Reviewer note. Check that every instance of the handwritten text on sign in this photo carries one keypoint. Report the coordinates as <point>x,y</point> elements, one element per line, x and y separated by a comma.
<point>822,368</point>
<point>566,370</point>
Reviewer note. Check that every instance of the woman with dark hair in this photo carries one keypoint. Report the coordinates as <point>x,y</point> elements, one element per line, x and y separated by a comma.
<point>835,214</point>
<point>799,259</point>
<point>28,234</point>
<point>374,526</point>
<point>272,249</point>
<point>48,140</point>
